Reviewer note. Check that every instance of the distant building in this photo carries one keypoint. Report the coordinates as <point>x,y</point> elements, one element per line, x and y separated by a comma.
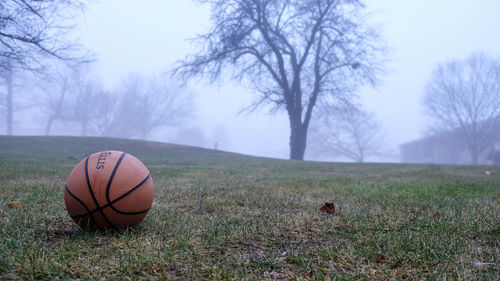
<point>446,149</point>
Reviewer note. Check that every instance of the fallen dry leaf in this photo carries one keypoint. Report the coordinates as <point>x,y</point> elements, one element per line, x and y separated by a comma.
<point>328,208</point>
<point>14,204</point>
<point>434,214</point>
<point>380,259</point>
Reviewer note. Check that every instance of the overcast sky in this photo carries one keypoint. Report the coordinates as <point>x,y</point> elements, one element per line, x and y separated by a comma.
<point>149,36</point>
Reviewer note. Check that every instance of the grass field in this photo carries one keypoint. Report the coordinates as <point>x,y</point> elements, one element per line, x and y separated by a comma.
<point>260,218</point>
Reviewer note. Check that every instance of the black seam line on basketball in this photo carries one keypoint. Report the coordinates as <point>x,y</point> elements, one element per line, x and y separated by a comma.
<point>112,177</point>
<point>123,213</point>
<point>83,204</point>
<point>127,194</point>
<point>92,193</point>
<point>120,198</point>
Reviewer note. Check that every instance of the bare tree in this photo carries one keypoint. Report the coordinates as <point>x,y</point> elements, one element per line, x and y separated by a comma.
<point>463,98</point>
<point>137,107</point>
<point>7,75</point>
<point>14,81</point>
<point>109,117</point>
<point>352,133</point>
<point>54,87</point>
<point>86,98</point>
<point>31,30</point>
<point>149,103</point>
<point>293,53</point>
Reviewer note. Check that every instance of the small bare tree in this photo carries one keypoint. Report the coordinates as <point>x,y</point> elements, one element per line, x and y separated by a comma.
<point>86,97</point>
<point>352,133</point>
<point>7,75</point>
<point>463,98</point>
<point>54,87</point>
<point>15,81</point>
<point>293,53</point>
<point>148,103</point>
<point>136,108</point>
<point>108,121</point>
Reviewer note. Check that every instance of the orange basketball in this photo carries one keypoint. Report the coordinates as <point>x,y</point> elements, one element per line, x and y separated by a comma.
<point>109,189</point>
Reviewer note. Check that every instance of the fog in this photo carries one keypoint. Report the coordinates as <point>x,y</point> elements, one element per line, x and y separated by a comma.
<point>148,37</point>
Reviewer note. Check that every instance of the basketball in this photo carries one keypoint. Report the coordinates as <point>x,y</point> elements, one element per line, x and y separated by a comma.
<point>109,189</point>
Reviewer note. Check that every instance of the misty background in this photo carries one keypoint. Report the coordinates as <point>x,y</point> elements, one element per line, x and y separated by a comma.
<point>140,42</point>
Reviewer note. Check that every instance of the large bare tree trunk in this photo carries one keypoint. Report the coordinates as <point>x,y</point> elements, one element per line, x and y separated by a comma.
<point>297,144</point>
<point>298,138</point>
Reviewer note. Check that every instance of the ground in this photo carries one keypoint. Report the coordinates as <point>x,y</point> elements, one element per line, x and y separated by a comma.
<point>260,218</point>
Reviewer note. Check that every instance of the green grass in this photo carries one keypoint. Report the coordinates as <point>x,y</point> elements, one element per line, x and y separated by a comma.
<point>260,218</point>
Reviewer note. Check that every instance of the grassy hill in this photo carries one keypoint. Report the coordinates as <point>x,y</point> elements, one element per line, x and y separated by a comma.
<point>71,148</point>
<point>260,218</point>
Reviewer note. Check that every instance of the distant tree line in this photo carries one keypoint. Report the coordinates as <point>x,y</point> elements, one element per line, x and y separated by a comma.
<point>71,94</point>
